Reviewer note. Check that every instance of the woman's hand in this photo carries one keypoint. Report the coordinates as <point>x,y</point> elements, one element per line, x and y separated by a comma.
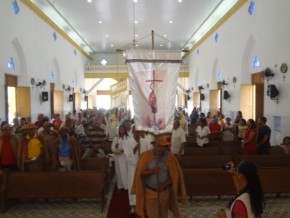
<point>221,214</point>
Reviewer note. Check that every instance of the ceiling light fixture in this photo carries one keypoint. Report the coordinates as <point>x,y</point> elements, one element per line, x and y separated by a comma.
<point>112,45</point>
<point>135,1</point>
<point>171,21</point>
<point>136,21</point>
<point>89,1</point>
<point>165,35</point>
<point>107,35</point>
<point>100,22</point>
<point>104,62</point>
<point>179,1</point>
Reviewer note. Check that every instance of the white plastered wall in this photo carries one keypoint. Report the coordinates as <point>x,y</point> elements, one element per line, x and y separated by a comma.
<point>29,40</point>
<point>264,34</point>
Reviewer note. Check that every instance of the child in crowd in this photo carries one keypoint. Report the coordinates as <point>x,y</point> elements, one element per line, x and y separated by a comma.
<point>228,130</point>
<point>241,129</point>
<point>286,144</point>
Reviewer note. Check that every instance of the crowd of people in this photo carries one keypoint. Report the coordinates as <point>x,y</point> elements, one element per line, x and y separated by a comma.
<point>145,164</point>
<point>53,144</point>
<point>254,136</point>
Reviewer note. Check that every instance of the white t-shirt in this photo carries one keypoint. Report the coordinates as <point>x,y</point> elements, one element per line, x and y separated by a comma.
<point>177,138</point>
<point>202,132</point>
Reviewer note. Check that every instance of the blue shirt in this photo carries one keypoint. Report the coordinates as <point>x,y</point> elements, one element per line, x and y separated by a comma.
<point>64,148</point>
<point>157,178</point>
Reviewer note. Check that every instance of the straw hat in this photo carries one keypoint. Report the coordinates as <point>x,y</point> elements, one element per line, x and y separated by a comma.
<point>29,126</point>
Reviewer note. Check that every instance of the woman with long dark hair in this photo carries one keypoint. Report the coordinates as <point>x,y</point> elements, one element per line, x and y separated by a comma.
<point>249,144</point>
<point>249,202</point>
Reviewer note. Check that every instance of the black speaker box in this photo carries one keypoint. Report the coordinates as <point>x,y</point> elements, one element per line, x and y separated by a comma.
<point>70,98</point>
<point>272,91</point>
<point>226,95</point>
<point>86,98</point>
<point>44,96</point>
<point>202,97</point>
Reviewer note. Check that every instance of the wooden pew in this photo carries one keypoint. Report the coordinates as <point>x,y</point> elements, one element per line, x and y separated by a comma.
<point>275,160</point>
<point>276,150</point>
<point>230,148</point>
<point>201,151</point>
<point>275,179</point>
<point>95,163</point>
<point>210,161</point>
<point>81,184</point>
<point>208,182</point>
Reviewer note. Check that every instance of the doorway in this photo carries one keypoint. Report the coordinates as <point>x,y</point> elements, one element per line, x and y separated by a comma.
<point>10,98</point>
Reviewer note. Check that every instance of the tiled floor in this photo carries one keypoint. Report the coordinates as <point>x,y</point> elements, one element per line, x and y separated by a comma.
<point>199,207</point>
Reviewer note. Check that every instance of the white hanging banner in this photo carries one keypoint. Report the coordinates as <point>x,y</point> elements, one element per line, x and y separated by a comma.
<point>153,79</point>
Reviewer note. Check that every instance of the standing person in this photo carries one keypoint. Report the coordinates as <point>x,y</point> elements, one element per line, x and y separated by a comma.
<point>9,145</point>
<point>158,178</point>
<point>202,133</point>
<point>178,139</point>
<point>263,137</point>
<point>194,116</point>
<point>249,202</point>
<point>241,129</point>
<point>132,153</point>
<point>121,167</point>
<point>249,143</point>
<point>237,120</point>
<point>228,131</point>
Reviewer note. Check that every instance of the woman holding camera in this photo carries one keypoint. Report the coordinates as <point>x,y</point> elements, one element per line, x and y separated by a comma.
<point>249,202</point>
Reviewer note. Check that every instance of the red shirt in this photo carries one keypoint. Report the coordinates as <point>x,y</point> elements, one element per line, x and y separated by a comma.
<point>239,208</point>
<point>7,156</point>
<point>215,130</point>
<point>56,124</point>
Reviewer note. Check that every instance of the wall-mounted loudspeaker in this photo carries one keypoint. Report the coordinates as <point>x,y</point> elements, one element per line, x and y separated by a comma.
<point>44,96</point>
<point>226,95</point>
<point>272,91</point>
<point>202,97</point>
<point>268,72</point>
<point>70,98</point>
<point>86,98</point>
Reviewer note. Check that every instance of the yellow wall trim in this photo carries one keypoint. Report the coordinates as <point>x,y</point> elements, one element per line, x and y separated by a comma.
<point>46,19</point>
<point>231,12</point>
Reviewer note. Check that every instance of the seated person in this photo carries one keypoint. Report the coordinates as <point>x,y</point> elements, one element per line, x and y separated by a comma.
<point>32,151</point>
<point>215,129</point>
<point>9,146</point>
<point>65,151</point>
<point>202,133</point>
<point>286,145</point>
<point>96,137</point>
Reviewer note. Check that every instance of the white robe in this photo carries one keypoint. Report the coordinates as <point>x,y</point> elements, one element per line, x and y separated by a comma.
<point>132,160</point>
<point>121,166</point>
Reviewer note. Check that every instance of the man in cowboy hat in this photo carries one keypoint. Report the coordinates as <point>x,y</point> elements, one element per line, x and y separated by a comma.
<point>157,180</point>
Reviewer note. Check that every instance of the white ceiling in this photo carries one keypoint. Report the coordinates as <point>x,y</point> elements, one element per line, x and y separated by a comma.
<point>80,20</point>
